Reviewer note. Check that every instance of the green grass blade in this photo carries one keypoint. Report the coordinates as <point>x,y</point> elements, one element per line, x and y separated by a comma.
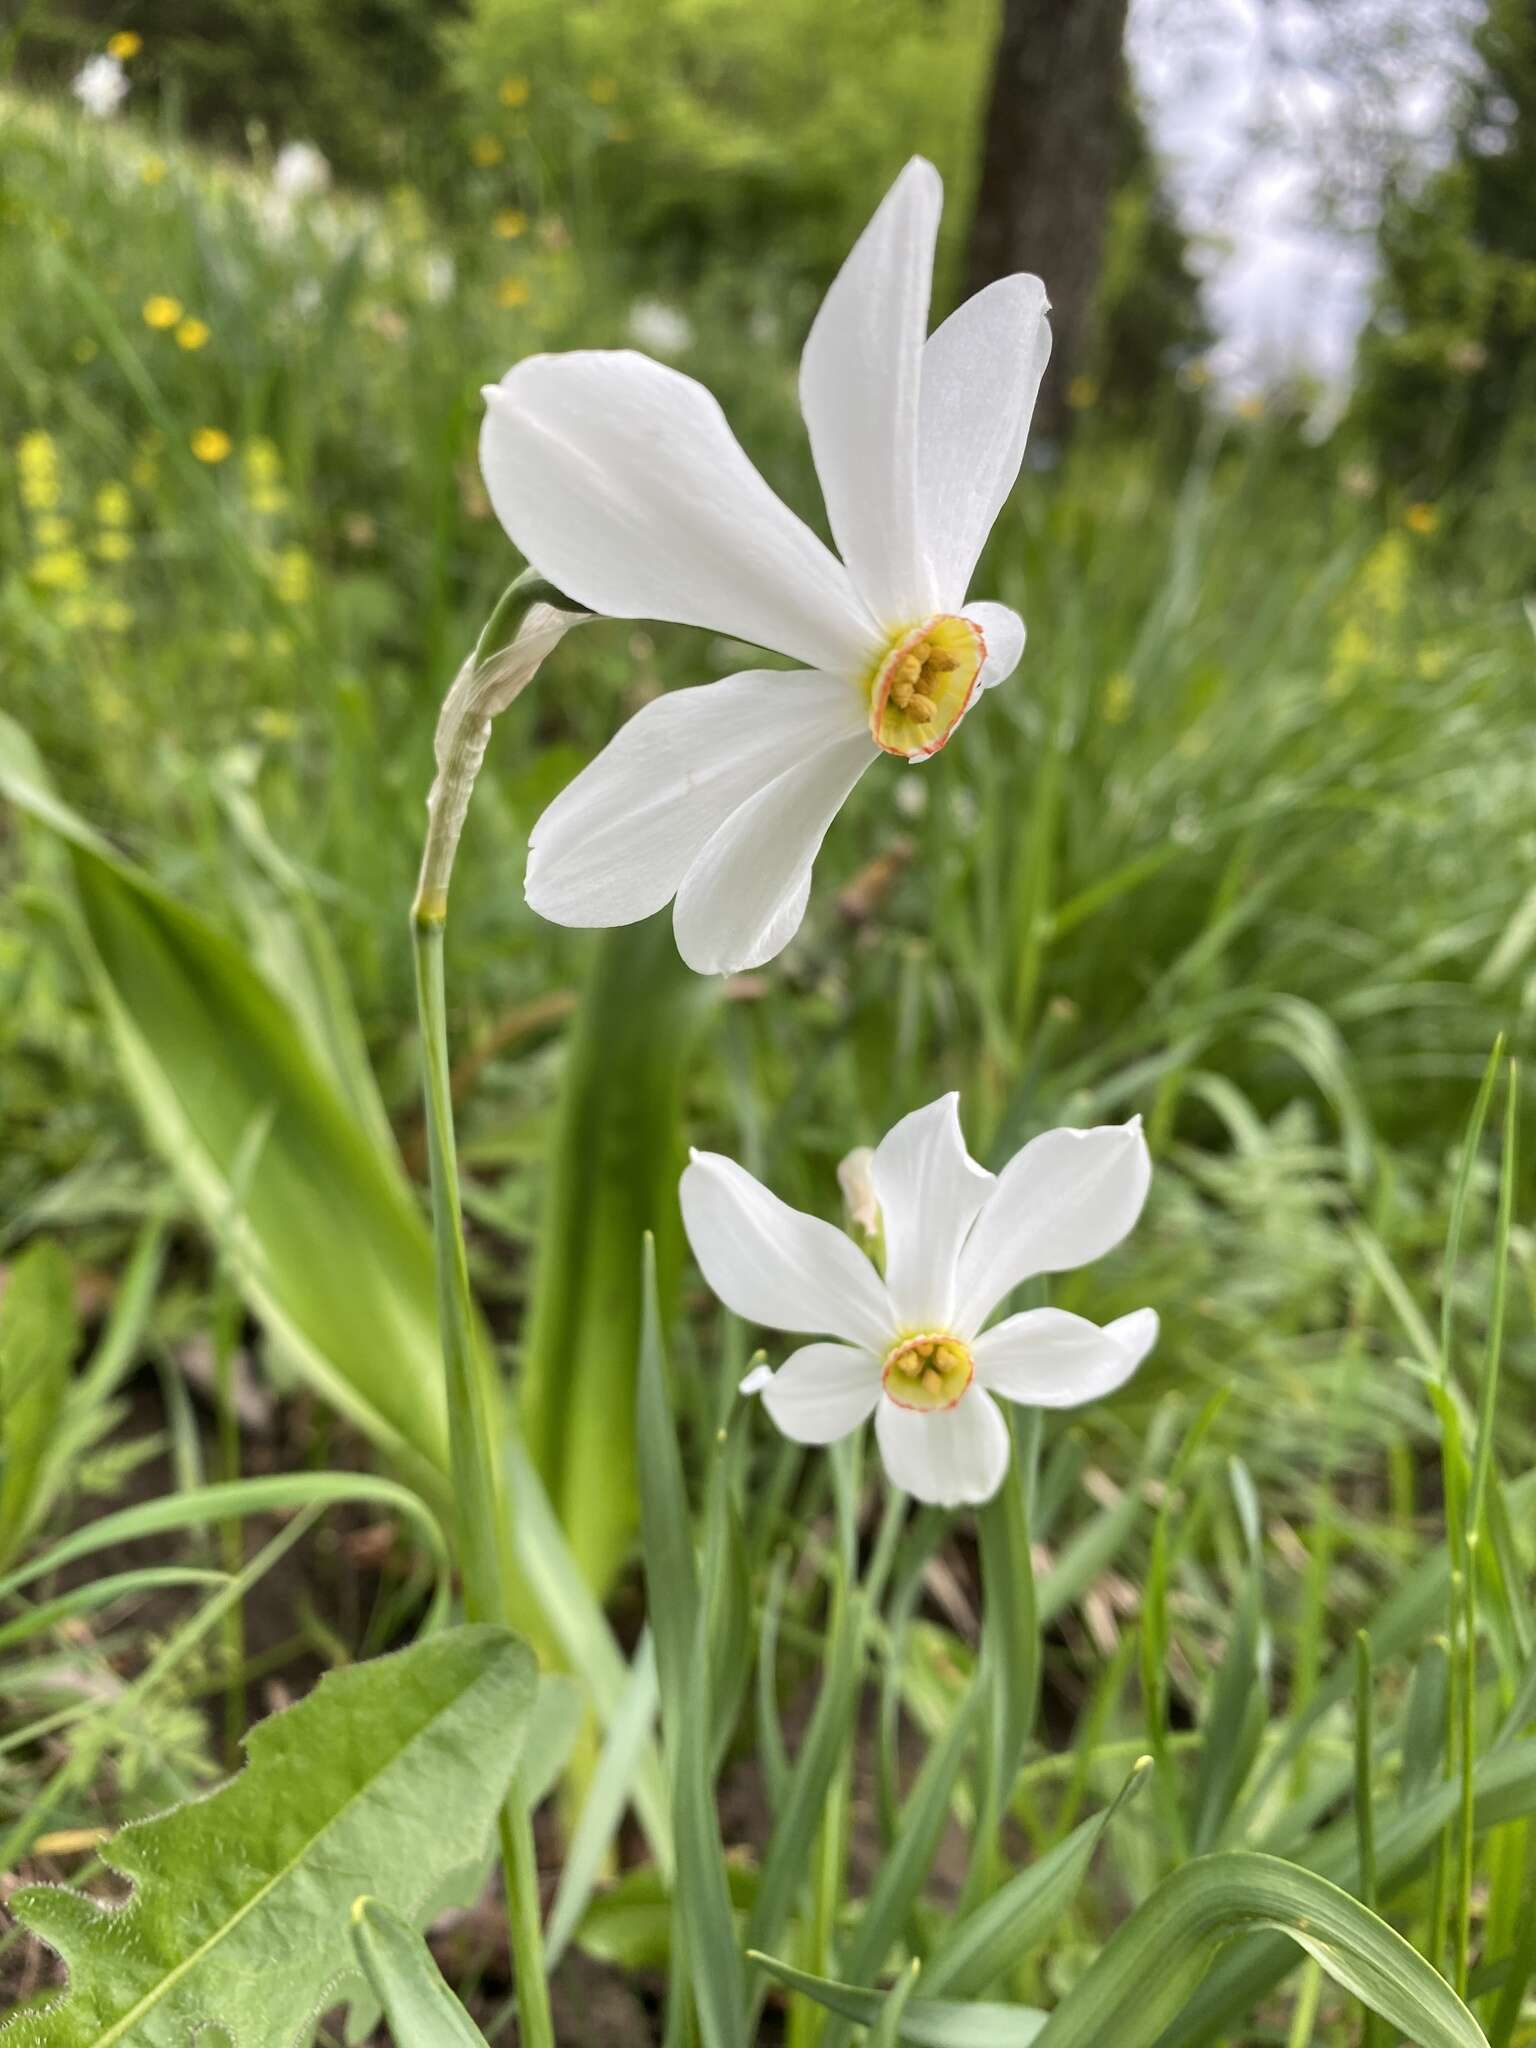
<point>925,2023</point>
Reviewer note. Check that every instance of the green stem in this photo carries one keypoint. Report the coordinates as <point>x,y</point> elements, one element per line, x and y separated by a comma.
<point>525,626</point>
<point>482,1531</point>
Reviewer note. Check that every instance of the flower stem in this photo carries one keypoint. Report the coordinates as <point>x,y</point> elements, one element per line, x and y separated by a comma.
<point>527,623</point>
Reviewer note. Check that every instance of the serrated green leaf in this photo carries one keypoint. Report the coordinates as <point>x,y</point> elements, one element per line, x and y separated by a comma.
<point>421,2010</point>
<point>1150,1967</point>
<point>387,1776</point>
<point>39,1333</point>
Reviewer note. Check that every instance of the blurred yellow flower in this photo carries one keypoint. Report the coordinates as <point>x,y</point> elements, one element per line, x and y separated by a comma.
<point>153,170</point>
<point>511,292</point>
<point>1081,393</point>
<point>160,310</point>
<point>36,455</point>
<point>486,150</point>
<point>75,611</point>
<point>125,44</point>
<point>51,532</point>
<point>116,616</point>
<point>113,546</point>
<point>112,706</point>
<point>273,724</point>
<point>262,462</point>
<point>211,444</point>
<point>1119,695</point>
<point>60,569</point>
<point>192,333</point>
<point>114,507</point>
<point>513,91</point>
<point>278,642</point>
<point>510,223</point>
<point>40,493</point>
<point>1421,518</point>
<point>293,576</point>
<point>267,500</point>
<point>602,91</point>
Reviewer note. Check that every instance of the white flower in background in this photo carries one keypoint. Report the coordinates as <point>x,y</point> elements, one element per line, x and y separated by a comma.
<point>665,330</point>
<point>100,85</point>
<point>300,171</point>
<point>439,275</point>
<point>913,1349</point>
<point>622,484</point>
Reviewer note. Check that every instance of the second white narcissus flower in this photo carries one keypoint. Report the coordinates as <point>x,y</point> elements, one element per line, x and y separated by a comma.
<point>621,482</point>
<point>912,1346</point>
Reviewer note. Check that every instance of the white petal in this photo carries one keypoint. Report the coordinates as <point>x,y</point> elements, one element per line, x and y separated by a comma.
<point>1068,1197</point>
<point>822,1391</point>
<point>616,842</point>
<point>954,1456</point>
<point>930,1190</point>
<point>1003,631</point>
<point>860,379</point>
<point>981,374</point>
<point>743,898</point>
<point>1050,1359</point>
<point>621,482</point>
<point>773,1265</point>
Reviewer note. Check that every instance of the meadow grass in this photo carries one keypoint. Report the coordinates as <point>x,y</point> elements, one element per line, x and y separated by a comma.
<point>1242,846</point>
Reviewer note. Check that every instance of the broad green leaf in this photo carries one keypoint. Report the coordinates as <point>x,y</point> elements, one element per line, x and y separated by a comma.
<point>383,1777</point>
<point>421,2010</point>
<point>925,2022</point>
<point>614,1157</point>
<point>39,1334</point>
<point>1145,1974</point>
<point>326,1240</point>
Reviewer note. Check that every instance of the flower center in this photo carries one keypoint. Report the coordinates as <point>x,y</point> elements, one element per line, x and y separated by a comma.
<point>927,1372</point>
<point>922,684</point>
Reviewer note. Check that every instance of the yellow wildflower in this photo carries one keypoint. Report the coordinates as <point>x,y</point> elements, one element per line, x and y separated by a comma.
<point>161,310</point>
<point>125,44</point>
<point>153,170</point>
<point>40,493</point>
<point>278,642</point>
<point>60,569</point>
<point>510,223</point>
<point>602,91</point>
<point>486,150</point>
<point>113,546</point>
<point>293,576</point>
<point>116,616</point>
<point>36,455</point>
<point>75,612</point>
<point>261,461</point>
<point>52,532</point>
<point>267,500</point>
<point>1119,695</point>
<point>513,91</point>
<point>211,444</point>
<point>192,333</point>
<point>114,507</point>
<point>1421,518</point>
<point>511,293</point>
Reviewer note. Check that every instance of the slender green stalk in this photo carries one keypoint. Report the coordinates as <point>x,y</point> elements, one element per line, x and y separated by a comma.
<point>483,1536</point>
<point>1466,1826</point>
<point>527,623</point>
<point>1365,1816</point>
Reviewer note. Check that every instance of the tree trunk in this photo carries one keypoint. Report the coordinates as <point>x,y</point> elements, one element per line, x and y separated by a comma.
<point>1048,170</point>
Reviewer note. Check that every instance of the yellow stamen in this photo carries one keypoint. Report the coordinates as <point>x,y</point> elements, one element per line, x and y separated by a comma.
<point>921,687</point>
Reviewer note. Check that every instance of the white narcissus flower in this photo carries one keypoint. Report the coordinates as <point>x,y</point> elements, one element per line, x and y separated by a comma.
<point>621,482</point>
<point>912,1348</point>
<point>300,171</point>
<point>100,85</point>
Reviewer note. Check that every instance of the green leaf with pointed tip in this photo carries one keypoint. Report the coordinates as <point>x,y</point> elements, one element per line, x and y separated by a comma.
<point>421,2010</point>
<point>39,1332</point>
<point>1151,1966</point>
<point>925,2022</point>
<point>387,1777</point>
<point>325,1236</point>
